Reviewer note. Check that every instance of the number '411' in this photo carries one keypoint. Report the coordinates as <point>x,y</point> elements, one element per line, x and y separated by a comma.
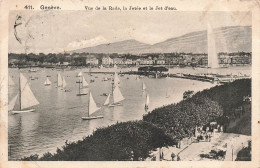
<point>28,7</point>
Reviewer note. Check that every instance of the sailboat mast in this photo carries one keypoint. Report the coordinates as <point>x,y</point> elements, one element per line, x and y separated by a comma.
<point>82,81</point>
<point>57,80</point>
<point>20,94</point>
<point>89,103</point>
<point>79,86</point>
<point>112,88</point>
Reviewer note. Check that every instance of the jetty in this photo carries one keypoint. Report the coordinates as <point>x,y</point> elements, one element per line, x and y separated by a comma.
<point>200,77</point>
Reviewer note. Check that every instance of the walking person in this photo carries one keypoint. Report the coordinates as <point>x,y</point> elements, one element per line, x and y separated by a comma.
<point>178,158</point>
<point>173,156</point>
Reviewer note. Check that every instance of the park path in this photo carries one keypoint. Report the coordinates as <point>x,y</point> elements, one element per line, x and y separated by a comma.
<point>221,141</point>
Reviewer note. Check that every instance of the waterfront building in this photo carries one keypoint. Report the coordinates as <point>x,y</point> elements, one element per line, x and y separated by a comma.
<point>147,61</point>
<point>92,60</point>
<point>175,60</point>
<point>65,63</point>
<point>203,61</point>
<point>225,60</point>
<point>128,62</point>
<point>137,61</point>
<point>107,60</point>
<point>118,61</point>
<point>160,61</point>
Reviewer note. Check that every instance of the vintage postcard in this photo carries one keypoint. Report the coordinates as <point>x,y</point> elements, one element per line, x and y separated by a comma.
<point>129,84</point>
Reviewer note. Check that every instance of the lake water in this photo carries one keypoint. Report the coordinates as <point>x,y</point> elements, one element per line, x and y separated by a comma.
<point>58,116</point>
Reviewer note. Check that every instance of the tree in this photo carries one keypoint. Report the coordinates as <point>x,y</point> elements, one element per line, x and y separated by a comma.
<point>188,94</point>
<point>131,140</point>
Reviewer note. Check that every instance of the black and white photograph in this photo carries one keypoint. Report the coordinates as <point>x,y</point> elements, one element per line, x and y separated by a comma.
<point>130,84</point>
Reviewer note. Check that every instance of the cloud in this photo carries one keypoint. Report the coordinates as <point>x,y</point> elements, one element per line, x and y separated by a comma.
<point>87,43</point>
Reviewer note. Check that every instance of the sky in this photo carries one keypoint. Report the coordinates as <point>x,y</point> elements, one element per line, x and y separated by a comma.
<point>59,31</point>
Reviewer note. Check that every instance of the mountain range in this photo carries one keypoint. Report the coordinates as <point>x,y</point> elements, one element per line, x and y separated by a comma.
<point>228,39</point>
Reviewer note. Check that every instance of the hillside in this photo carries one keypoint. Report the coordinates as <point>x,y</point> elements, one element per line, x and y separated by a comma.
<point>228,39</point>
<point>127,46</point>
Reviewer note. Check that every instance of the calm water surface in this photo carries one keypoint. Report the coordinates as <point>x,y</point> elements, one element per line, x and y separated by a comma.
<point>58,116</point>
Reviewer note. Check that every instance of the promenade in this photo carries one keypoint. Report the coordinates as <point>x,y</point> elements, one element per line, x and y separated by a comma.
<point>192,152</point>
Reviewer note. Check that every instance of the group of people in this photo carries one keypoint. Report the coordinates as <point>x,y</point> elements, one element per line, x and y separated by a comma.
<point>173,157</point>
<point>205,135</point>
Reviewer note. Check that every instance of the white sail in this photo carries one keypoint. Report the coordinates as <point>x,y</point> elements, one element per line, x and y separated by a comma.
<point>117,95</point>
<point>212,52</point>
<point>47,81</point>
<point>27,97</point>
<point>107,100</point>
<point>147,100</point>
<point>64,84</point>
<point>116,79</point>
<point>11,104</point>
<point>101,67</point>
<point>115,66</point>
<point>10,81</point>
<point>84,82</point>
<point>59,82</point>
<point>92,107</point>
<point>80,74</point>
<point>143,87</point>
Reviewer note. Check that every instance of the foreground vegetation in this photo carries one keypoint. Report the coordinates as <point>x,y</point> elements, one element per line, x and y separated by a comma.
<point>245,153</point>
<point>209,105</point>
<point>163,126</point>
<point>123,141</point>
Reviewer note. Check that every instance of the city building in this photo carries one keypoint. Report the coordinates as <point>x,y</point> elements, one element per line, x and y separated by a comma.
<point>107,60</point>
<point>118,61</point>
<point>92,60</point>
<point>128,62</point>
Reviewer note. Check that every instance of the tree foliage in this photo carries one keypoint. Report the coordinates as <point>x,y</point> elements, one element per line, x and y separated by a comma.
<point>131,140</point>
<point>180,119</point>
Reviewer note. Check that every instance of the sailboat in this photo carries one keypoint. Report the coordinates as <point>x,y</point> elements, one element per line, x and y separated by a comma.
<point>59,82</point>
<point>90,71</point>
<point>84,82</point>
<point>10,81</point>
<point>117,97</point>
<point>147,102</point>
<point>116,79</point>
<point>92,108</point>
<point>143,87</point>
<point>82,90</point>
<point>47,82</point>
<point>79,74</point>
<point>64,84</point>
<point>24,99</point>
<point>107,100</point>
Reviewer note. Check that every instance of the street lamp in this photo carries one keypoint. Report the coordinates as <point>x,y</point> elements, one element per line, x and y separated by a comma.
<point>232,147</point>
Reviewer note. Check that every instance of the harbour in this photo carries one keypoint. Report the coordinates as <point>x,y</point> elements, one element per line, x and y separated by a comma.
<point>36,130</point>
